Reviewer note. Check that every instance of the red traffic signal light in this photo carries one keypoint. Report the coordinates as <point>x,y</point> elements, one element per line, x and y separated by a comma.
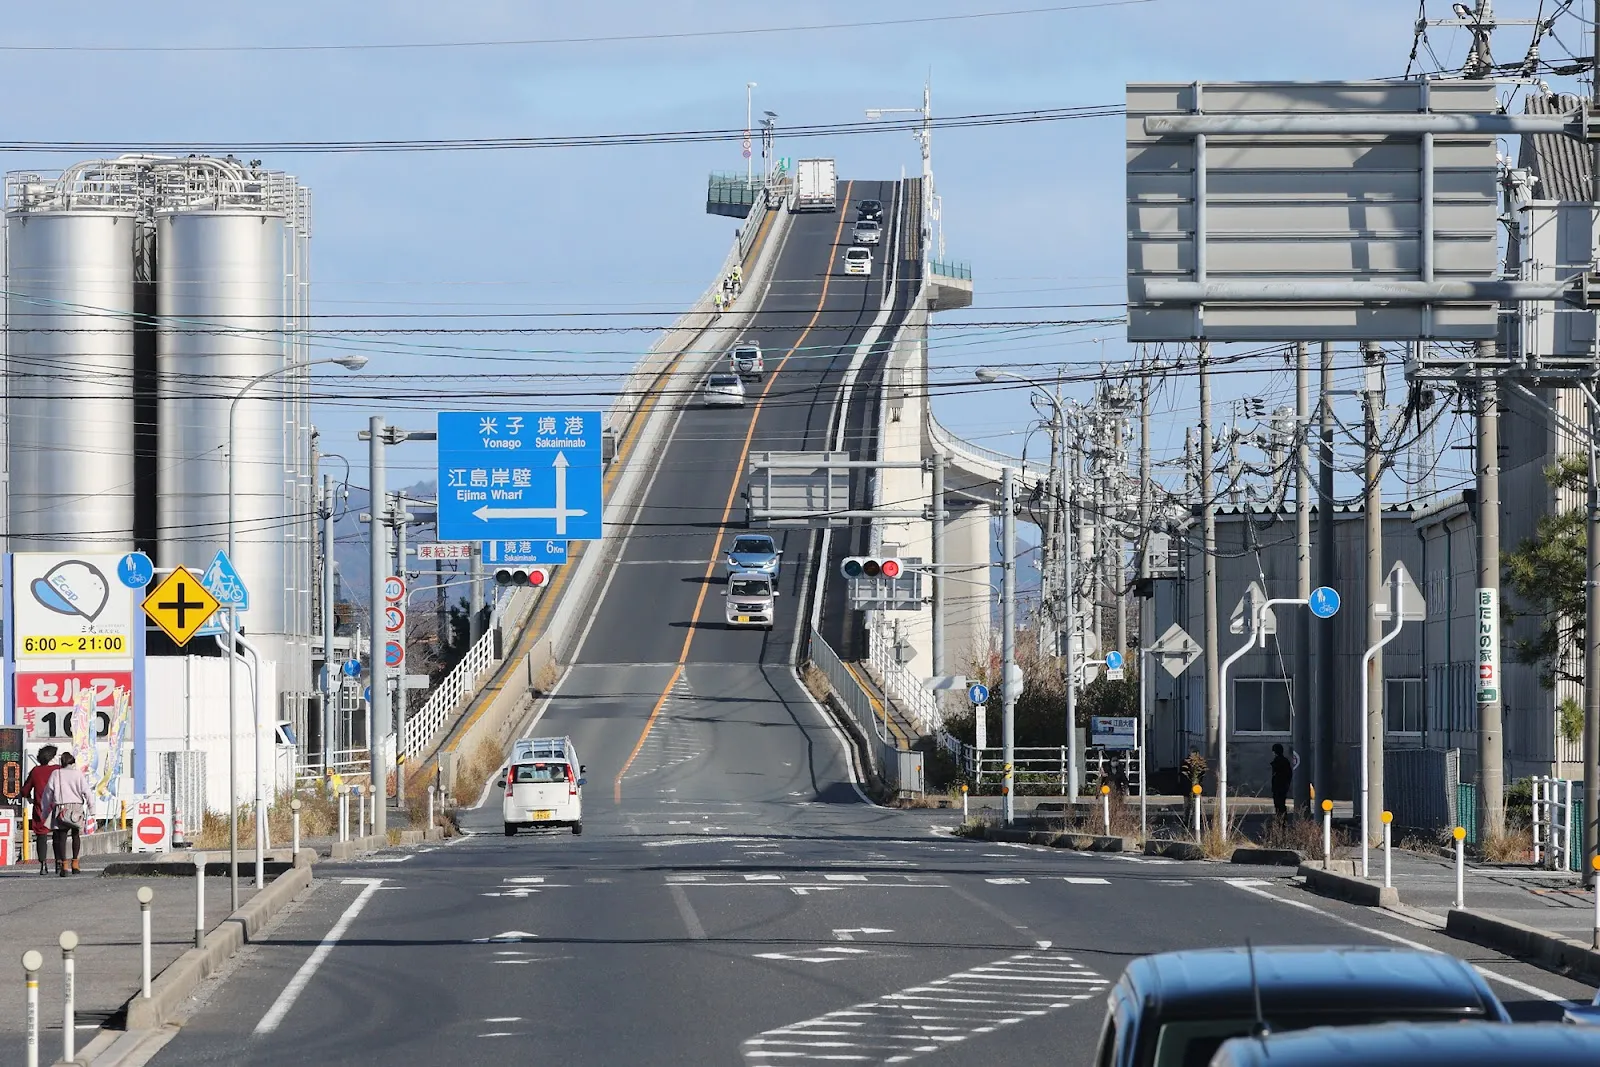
<point>890,568</point>
<point>870,567</point>
<point>532,576</point>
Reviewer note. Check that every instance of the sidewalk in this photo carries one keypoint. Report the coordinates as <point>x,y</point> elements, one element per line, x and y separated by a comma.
<point>104,913</point>
<point>1554,901</point>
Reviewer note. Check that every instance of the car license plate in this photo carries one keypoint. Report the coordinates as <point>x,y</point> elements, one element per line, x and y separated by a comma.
<point>540,814</point>
<point>744,618</point>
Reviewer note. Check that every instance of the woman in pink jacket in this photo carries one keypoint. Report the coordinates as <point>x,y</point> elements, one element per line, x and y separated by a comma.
<point>72,804</point>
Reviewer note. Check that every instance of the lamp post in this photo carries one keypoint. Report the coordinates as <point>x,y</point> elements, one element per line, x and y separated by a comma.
<point>349,363</point>
<point>1057,445</point>
<point>749,156</point>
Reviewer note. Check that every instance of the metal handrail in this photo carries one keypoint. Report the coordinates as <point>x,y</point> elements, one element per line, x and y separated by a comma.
<point>976,455</point>
<point>456,687</point>
<point>900,684</point>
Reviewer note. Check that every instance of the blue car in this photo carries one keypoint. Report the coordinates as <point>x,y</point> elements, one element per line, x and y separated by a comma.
<point>753,552</point>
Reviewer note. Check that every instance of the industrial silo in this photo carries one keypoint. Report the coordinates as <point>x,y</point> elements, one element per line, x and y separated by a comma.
<point>222,303</point>
<point>69,270</point>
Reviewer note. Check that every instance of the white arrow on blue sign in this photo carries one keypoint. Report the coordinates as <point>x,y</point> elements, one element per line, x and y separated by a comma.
<point>978,693</point>
<point>352,668</point>
<point>1113,661</point>
<point>520,475</point>
<point>1324,602</point>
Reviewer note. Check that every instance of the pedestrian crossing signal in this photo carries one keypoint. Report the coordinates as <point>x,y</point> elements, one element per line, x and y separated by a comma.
<point>537,577</point>
<point>870,567</point>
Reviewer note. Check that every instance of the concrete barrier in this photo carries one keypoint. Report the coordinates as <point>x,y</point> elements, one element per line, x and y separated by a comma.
<point>1548,950</point>
<point>174,984</point>
<point>1053,839</point>
<point>1357,890</point>
<point>1174,850</point>
<point>1267,857</point>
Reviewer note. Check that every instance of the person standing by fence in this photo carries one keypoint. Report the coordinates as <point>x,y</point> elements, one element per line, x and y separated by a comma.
<point>1282,778</point>
<point>36,791</point>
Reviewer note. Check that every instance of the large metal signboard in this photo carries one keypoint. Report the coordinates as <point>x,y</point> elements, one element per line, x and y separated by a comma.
<point>1255,213</point>
<point>798,489</point>
<point>523,475</point>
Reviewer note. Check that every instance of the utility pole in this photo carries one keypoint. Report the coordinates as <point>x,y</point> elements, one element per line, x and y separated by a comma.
<point>379,722</point>
<point>1147,599</point>
<point>1491,747</point>
<point>401,518</point>
<point>1303,743</point>
<point>1372,514</point>
<point>1208,563</point>
<point>1069,582</point>
<point>1591,634</point>
<point>1119,544</point>
<point>1328,572</point>
<point>938,562</point>
<point>332,679</point>
<point>475,594</point>
<point>1008,636</point>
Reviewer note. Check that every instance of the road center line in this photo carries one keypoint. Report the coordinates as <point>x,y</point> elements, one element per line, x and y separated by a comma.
<point>733,496</point>
<point>291,992</point>
<point>691,921</point>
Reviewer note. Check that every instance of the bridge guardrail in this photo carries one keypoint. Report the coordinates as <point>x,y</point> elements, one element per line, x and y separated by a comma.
<point>899,683</point>
<point>884,754</point>
<point>424,725</point>
<point>948,442</point>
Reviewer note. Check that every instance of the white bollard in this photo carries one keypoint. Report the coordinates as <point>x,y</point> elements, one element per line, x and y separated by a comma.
<point>1196,789</point>
<point>344,815</point>
<point>361,812</point>
<point>1460,834</point>
<point>963,803</point>
<point>1327,832</point>
<point>31,962</point>
<point>1105,806</point>
<point>431,789</point>
<point>199,900</point>
<point>294,822</point>
<point>1594,861</point>
<point>146,895</point>
<point>1388,818</point>
<point>69,999</point>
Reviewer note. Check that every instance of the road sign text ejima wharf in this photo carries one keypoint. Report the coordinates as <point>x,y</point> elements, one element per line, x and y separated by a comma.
<point>532,475</point>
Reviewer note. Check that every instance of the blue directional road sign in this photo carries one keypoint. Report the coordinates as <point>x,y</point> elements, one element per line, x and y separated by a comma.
<point>520,476</point>
<point>366,694</point>
<point>523,552</point>
<point>978,693</point>
<point>222,581</point>
<point>1113,661</point>
<point>1324,602</point>
<point>352,668</point>
<point>135,570</point>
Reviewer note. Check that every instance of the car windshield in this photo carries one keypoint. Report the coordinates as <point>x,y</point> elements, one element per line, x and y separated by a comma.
<point>750,587</point>
<point>866,224</point>
<point>1192,1042</point>
<point>746,353</point>
<point>858,253</point>
<point>756,545</point>
<point>537,773</point>
<point>723,379</point>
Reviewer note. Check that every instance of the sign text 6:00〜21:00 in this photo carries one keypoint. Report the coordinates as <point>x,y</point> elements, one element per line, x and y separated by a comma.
<point>66,645</point>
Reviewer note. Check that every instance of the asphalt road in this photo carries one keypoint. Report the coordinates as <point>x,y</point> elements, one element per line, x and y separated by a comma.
<point>733,898</point>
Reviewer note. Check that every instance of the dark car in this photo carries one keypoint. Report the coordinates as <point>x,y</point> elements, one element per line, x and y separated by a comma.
<point>870,209</point>
<point>1418,1045</point>
<point>1175,1009</point>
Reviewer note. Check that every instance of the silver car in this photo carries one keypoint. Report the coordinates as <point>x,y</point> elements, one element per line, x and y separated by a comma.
<point>867,232</point>
<point>723,391</point>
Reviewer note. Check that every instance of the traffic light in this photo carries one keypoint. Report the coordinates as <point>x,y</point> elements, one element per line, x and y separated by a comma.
<point>870,567</point>
<point>537,577</point>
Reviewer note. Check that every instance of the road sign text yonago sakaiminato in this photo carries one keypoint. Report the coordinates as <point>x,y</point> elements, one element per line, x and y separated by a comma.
<point>532,475</point>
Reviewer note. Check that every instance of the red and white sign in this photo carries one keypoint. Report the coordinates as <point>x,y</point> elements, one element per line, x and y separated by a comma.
<point>45,699</point>
<point>8,838</point>
<point>394,589</point>
<point>394,619</point>
<point>152,823</point>
<point>445,550</point>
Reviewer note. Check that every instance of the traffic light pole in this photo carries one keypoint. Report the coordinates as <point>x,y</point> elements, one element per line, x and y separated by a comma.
<point>378,720</point>
<point>1008,638</point>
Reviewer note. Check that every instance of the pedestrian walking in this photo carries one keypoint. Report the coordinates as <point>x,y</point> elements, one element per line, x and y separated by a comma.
<point>71,804</point>
<point>1282,776</point>
<point>36,791</point>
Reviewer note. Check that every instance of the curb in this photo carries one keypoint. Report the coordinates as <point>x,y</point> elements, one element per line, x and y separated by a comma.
<point>1267,857</point>
<point>1551,951</point>
<point>1333,883</point>
<point>173,985</point>
<point>1174,850</point>
<point>1057,839</point>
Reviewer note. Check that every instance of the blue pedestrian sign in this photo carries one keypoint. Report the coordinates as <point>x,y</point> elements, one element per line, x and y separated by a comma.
<point>1324,602</point>
<point>524,552</point>
<point>366,694</point>
<point>978,693</point>
<point>135,570</point>
<point>1113,661</point>
<point>520,476</point>
<point>222,581</point>
<point>352,668</point>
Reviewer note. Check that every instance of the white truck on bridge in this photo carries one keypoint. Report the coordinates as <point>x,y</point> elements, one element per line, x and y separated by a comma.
<point>815,185</point>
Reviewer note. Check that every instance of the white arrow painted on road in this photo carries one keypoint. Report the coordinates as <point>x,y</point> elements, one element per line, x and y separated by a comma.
<point>836,953</point>
<point>506,938</point>
<point>561,513</point>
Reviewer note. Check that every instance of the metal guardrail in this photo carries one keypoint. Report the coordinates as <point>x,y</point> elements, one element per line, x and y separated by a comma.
<point>1554,825</point>
<point>900,684</point>
<point>950,269</point>
<point>458,685</point>
<point>976,455</point>
<point>900,769</point>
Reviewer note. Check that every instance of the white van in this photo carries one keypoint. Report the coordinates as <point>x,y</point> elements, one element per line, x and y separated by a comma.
<point>544,785</point>
<point>750,595</point>
<point>858,260</point>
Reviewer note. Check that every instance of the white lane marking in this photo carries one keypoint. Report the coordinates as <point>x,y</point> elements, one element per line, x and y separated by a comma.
<point>505,1019</point>
<point>849,933</point>
<point>1006,881</point>
<point>1514,983</point>
<point>291,992</point>
<point>691,921</point>
<point>845,877</point>
<point>932,1016</point>
<point>507,938</point>
<point>390,859</point>
<point>834,954</point>
<point>1070,880</point>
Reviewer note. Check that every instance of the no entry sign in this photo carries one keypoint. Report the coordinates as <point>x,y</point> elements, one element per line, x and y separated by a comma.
<point>152,823</point>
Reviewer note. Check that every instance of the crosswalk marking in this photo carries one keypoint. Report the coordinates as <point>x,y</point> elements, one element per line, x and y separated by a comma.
<point>1086,881</point>
<point>926,1018</point>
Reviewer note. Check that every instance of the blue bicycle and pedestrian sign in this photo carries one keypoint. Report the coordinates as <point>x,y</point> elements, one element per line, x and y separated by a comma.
<point>1324,602</point>
<point>135,570</point>
<point>520,475</point>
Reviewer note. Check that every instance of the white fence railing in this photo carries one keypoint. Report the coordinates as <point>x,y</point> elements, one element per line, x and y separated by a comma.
<point>458,685</point>
<point>984,460</point>
<point>900,684</point>
<point>1046,767</point>
<point>1553,837</point>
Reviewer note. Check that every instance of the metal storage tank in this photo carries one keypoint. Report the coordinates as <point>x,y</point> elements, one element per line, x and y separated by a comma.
<point>222,303</point>
<point>70,367</point>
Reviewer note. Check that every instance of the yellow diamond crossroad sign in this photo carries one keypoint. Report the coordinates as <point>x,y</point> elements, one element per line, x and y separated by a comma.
<point>180,605</point>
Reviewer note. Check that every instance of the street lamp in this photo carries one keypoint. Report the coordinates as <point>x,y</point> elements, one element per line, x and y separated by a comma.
<point>349,363</point>
<point>1057,447</point>
<point>749,157</point>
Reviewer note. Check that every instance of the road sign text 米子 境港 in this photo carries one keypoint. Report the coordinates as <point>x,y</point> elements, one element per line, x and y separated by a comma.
<point>530,475</point>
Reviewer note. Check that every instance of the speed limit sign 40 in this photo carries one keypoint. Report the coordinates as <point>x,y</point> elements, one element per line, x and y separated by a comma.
<point>394,589</point>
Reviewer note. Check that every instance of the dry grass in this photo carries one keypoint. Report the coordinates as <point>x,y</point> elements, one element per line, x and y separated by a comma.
<point>1301,835</point>
<point>547,677</point>
<point>816,682</point>
<point>1218,845</point>
<point>1513,846</point>
<point>473,770</point>
<point>319,817</point>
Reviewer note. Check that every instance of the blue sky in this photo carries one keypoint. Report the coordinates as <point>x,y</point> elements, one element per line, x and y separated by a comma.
<point>1036,209</point>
